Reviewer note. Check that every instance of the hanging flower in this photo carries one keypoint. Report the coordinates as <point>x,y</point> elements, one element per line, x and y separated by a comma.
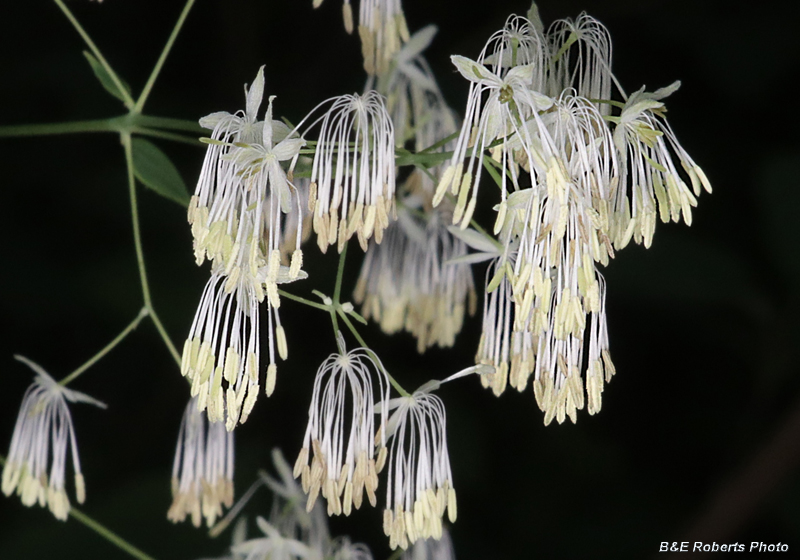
<point>353,174</point>
<point>344,465</point>
<point>408,282</point>
<point>420,484</point>
<point>44,426</point>
<point>202,473</point>
<point>273,546</point>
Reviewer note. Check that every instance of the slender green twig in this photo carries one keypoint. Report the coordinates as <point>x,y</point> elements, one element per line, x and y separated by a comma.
<point>337,290</point>
<point>164,336</point>
<point>109,535</point>
<point>441,143</point>
<point>137,235</point>
<point>137,241</point>
<point>303,300</point>
<point>99,125</point>
<point>140,124</point>
<point>128,100</point>
<point>396,554</point>
<point>168,136</point>
<point>110,346</point>
<point>352,328</point>
<point>157,68</point>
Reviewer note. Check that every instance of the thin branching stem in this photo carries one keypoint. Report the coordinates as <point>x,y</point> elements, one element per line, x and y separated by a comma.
<point>110,346</point>
<point>160,63</point>
<point>127,99</point>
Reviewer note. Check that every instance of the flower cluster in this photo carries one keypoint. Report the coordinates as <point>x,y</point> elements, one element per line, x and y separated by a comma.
<point>352,176</point>
<point>44,427</point>
<point>202,473</point>
<point>576,183</point>
<point>237,216</point>
<point>344,465</point>
<point>410,281</point>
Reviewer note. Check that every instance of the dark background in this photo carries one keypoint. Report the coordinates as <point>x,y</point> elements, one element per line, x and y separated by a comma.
<point>703,325</point>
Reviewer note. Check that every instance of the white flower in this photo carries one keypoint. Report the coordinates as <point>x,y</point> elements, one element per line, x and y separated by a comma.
<point>44,426</point>
<point>511,352</point>
<point>581,52</point>
<point>342,549</point>
<point>353,174</point>
<point>343,465</point>
<point>643,137</point>
<point>510,104</point>
<point>420,484</point>
<point>219,201</point>
<point>202,473</point>
<point>221,356</point>
<point>407,282</point>
<point>382,27</point>
<point>273,546</point>
<point>289,513</point>
<point>431,549</point>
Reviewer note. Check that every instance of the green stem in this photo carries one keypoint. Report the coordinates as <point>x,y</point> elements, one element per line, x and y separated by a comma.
<point>140,124</point>
<point>396,554</point>
<point>441,143</point>
<point>109,535</point>
<point>164,336</point>
<point>129,103</point>
<point>94,359</point>
<point>99,125</point>
<point>392,380</point>
<point>337,290</point>
<point>168,136</point>
<point>137,241</point>
<point>488,164</point>
<point>303,300</point>
<point>169,123</point>
<point>157,68</point>
<point>137,235</point>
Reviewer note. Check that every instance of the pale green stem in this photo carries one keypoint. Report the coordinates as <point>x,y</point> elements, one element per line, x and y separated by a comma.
<point>168,136</point>
<point>104,532</point>
<point>168,122</point>
<point>137,236</point>
<point>337,290</point>
<point>135,124</point>
<point>94,359</point>
<point>164,336</point>
<point>100,125</point>
<point>392,380</point>
<point>88,40</point>
<point>157,68</point>
<point>109,535</point>
<point>137,241</point>
<point>303,300</point>
<point>396,554</point>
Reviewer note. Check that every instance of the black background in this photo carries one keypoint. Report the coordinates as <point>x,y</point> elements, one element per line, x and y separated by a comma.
<point>703,325</point>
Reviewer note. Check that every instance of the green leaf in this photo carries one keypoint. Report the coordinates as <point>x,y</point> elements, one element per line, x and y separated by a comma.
<point>154,169</point>
<point>105,78</point>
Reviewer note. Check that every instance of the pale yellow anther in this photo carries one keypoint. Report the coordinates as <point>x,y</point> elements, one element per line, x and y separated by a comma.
<point>369,221</point>
<point>501,217</point>
<point>272,371</point>
<point>231,364</point>
<point>296,264</point>
<point>452,510</point>
<point>80,488</point>
<point>347,14</point>
<point>249,402</point>
<point>283,349</point>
